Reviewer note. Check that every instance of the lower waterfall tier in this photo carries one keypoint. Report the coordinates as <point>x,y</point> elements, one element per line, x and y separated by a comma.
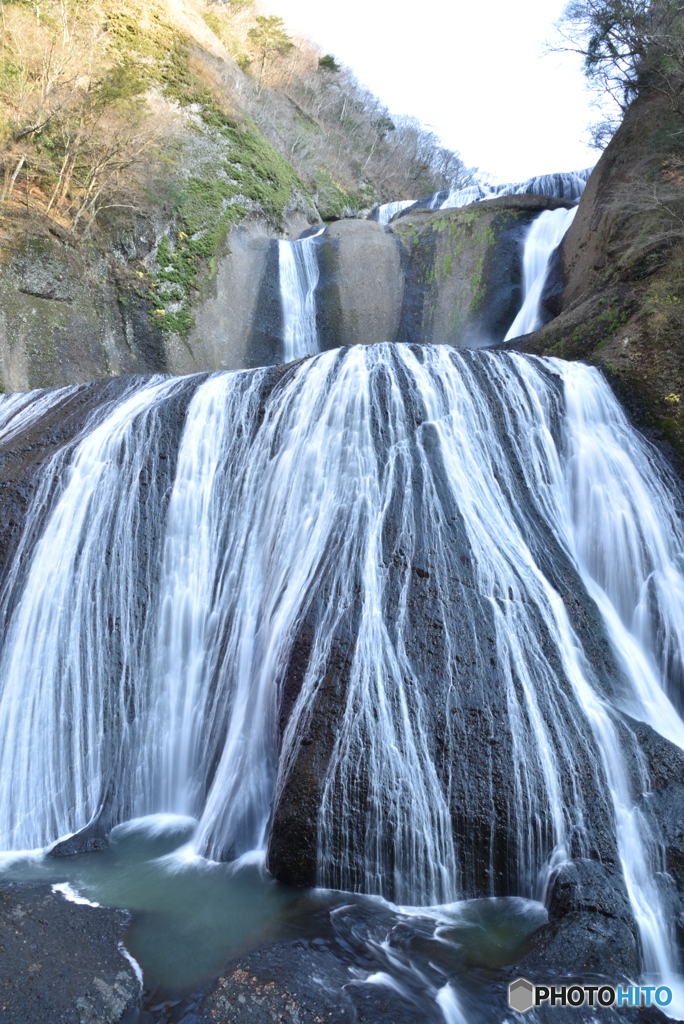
<point>389,615</point>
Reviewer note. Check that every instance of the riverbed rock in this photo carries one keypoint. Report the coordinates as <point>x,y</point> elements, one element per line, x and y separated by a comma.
<point>63,963</point>
<point>357,962</point>
<point>591,929</point>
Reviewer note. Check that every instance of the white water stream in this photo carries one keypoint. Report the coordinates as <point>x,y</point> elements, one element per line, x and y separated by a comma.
<point>545,235</point>
<point>566,185</point>
<point>298,279</point>
<point>384,213</point>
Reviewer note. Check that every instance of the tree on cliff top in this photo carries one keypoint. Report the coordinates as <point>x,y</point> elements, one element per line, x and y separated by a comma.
<point>270,40</point>
<point>328,63</point>
<point>628,46</point>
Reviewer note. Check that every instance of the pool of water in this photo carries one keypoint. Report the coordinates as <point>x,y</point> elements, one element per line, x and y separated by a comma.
<point>188,916</point>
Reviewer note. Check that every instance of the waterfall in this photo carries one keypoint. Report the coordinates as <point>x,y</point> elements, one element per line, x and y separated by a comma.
<point>382,541</point>
<point>177,729</point>
<point>20,409</point>
<point>567,185</point>
<point>545,235</point>
<point>62,698</point>
<point>298,279</point>
<point>383,214</point>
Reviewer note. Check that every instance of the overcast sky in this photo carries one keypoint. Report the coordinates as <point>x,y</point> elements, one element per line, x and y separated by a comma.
<point>474,71</point>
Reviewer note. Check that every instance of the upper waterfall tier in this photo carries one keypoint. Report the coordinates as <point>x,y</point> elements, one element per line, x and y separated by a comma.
<point>567,185</point>
<point>384,213</point>
<point>299,273</point>
<point>266,300</point>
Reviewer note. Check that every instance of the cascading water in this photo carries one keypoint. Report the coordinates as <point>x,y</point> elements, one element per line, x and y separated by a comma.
<point>56,656</point>
<point>298,279</point>
<point>383,214</point>
<point>545,235</point>
<point>401,523</point>
<point>568,185</point>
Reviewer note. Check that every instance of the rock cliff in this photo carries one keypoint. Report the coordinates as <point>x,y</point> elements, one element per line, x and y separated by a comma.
<point>615,292</point>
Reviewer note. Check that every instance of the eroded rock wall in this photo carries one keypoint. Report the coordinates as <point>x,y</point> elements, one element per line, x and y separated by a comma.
<point>617,296</point>
<point>361,288</point>
<point>70,314</point>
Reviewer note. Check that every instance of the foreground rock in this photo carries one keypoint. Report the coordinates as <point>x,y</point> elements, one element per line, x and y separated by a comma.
<point>383,969</point>
<point>62,962</point>
<point>298,983</point>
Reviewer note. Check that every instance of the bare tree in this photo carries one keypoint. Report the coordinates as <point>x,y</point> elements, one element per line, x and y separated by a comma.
<point>76,120</point>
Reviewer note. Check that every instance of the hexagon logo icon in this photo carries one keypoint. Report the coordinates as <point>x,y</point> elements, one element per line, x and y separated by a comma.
<point>521,995</point>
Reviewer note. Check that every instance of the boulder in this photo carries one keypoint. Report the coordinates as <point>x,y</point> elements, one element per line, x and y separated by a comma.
<point>361,287</point>
<point>591,929</point>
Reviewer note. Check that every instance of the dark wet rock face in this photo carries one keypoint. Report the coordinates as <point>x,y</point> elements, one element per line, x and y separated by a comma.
<point>29,451</point>
<point>662,803</point>
<point>62,962</point>
<point>550,302</point>
<point>95,836</point>
<point>26,455</point>
<point>591,927</point>
<point>434,606</point>
<point>449,637</point>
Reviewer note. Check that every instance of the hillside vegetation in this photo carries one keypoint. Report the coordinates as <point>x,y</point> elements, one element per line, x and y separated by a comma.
<point>175,119</point>
<point>94,99</point>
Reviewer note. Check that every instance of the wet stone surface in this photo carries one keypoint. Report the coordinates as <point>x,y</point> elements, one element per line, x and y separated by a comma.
<point>61,962</point>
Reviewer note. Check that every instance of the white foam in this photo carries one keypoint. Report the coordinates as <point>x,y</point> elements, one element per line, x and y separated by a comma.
<point>152,825</point>
<point>448,1002</point>
<point>133,962</point>
<point>70,894</point>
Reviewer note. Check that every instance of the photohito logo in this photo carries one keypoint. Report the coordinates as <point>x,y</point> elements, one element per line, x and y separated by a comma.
<point>523,995</point>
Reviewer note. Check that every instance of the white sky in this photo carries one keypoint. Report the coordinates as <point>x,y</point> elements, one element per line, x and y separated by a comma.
<point>473,71</point>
